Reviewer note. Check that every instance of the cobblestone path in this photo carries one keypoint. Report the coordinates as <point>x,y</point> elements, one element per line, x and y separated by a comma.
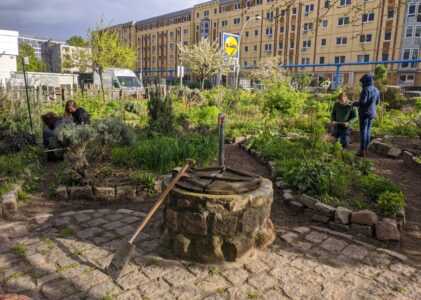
<point>63,257</point>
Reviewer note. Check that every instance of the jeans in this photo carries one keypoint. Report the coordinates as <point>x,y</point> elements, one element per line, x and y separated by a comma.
<point>342,135</point>
<point>46,135</point>
<point>365,132</point>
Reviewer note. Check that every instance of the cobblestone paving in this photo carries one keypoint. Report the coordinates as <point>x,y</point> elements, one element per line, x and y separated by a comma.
<point>63,257</point>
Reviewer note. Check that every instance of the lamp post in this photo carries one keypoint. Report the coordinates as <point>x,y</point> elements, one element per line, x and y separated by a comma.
<point>237,78</point>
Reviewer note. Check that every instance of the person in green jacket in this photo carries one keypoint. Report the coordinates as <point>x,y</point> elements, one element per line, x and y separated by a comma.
<point>343,116</point>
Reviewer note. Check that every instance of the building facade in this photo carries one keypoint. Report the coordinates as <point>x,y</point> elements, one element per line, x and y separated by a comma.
<point>70,59</point>
<point>299,32</point>
<point>8,54</point>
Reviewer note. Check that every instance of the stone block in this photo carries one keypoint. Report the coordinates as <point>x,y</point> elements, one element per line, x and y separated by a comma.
<point>171,219</point>
<point>193,223</point>
<point>320,218</point>
<point>387,230</point>
<point>225,224</point>
<point>125,192</point>
<point>362,229</point>
<point>308,201</point>
<point>62,192</point>
<point>9,204</point>
<point>364,217</point>
<point>104,193</point>
<point>209,249</point>
<point>280,184</point>
<point>237,248</point>
<point>394,153</point>
<point>181,245</point>
<point>383,148</point>
<point>251,220</point>
<point>296,207</point>
<point>338,227</point>
<point>373,145</point>
<point>407,159</point>
<point>266,236</point>
<point>289,237</point>
<point>324,209</point>
<point>81,192</point>
<point>288,197</point>
<point>342,215</point>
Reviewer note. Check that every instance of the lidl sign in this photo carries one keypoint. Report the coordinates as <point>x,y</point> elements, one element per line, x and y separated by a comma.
<point>230,43</point>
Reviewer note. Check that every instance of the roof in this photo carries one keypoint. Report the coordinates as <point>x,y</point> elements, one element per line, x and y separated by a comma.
<point>26,36</point>
<point>166,16</point>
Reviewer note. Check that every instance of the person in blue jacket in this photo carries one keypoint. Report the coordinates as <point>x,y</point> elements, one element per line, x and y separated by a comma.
<point>369,99</point>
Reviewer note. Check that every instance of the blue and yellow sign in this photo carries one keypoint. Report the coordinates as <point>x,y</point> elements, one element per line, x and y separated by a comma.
<point>230,43</point>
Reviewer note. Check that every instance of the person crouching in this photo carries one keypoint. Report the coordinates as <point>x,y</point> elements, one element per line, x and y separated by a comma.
<point>79,115</point>
<point>343,117</point>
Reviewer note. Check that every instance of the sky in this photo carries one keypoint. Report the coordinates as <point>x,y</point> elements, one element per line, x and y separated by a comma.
<point>60,19</point>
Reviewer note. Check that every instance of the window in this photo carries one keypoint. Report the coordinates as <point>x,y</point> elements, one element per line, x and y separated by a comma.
<point>237,21</point>
<point>292,28</point>
<point>341,41</point>
<point>269,31</point>
<point>237,6</point>
<point>281,29</point>
<point>255,48</point>
<point>305,61</point>
<point>270,1</point>
<point>385,56</point>
<point>417,31</point>
<point>268,47</point>
<point>258,2</point>
<point>247,34</point>
<point>387,36</point>
<point>325,24</point>
<point>224,23</point>
<point>186,31</point>
<point>363,58</point>
<point>409,31</point>
<point>366,38</point>
<point>343,21</point>
<point>256,32</point>
<point>292,45</point>
<point>281,46</point>
<point>327,4</point>
<point>309,8</point>
<point>294,11</point>
<point>369,17</point>
<point>215,11</point>
<point>322,60</point>
<point>323,42</point>
<point>269,15</point>
<point>306,44</point>
<point>339,59</point>
<point>411,9</point>
<point>246,48</point>
<point>206,13</point>
<point>345,2</point>
<point>245,63</point>
<point>409,78</point>
<point>307,27</point>
<point>408,54</point>
<point>390,13</point>
<point>247,18</point>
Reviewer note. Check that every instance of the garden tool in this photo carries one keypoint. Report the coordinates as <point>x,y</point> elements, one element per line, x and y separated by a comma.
<point>123,254</point>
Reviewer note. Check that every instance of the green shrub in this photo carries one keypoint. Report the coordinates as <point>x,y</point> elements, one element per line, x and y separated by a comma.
<point>143,177</point>
<point>285,100</point>
<point>161,115</point>
<point>374,185</point>
<point>389,203</point>
<point>162,154</point>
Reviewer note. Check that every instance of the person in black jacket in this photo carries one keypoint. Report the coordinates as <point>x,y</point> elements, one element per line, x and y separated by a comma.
<point>51,122</point>
<point>79,115</point>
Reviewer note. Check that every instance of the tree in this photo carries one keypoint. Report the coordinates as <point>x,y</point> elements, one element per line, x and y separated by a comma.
<point>77,41</point>
<point>269,72</point>
<point>204,59</point>
<point>35,64</point>
<point>108,51</point>
<point>77,58</point>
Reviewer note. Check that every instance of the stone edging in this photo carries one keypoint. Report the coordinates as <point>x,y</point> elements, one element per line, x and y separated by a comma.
<point>410,161</point>
<point>9,201</point>
<point>364,222</point>
<point>384,146</point>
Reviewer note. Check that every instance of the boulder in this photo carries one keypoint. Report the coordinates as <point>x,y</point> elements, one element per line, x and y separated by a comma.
<point>324,209</point>
<point>320,218</point>
<point>338,227</point>
<point>383,148</point>
<point>126,192</point>
<point>394,153</point>
<point>308,201</point>
<point>62,193</point>
<point>387,230</point>
<point>80,192</point>
<point>362,229</point>
<point>296,207</point>
<point>104,193</point>
<point>342,215</point>
<point>364,217</point>
<point>288,197</point>
<point>9,204</point>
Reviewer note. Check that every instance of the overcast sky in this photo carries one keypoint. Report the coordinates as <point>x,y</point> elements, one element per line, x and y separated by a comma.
<point>61,19</point>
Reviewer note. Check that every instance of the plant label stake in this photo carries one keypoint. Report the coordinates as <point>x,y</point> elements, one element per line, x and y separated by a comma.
<point>123,254</point>
<point>221,119</point>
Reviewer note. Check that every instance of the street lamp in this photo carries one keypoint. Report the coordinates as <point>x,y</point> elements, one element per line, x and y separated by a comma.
<point>239,48</point>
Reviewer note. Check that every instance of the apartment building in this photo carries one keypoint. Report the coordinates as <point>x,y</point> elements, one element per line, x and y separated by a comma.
<point>298,32</point>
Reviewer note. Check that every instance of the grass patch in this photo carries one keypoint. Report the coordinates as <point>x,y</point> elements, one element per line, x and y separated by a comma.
<point>253,295</point>
<point>67,267</point>
<point>221,291</point>
<point>78,251</point>
<point>66,232</point>
<point>48,242</point>
<point>16,275</point>
<point>108,296</point>
<point>151,261</point>
<point>87,271</point>
<point>22,197</point>
<point>19,249</point>
<point>399,289</point>
<point>213,271</point>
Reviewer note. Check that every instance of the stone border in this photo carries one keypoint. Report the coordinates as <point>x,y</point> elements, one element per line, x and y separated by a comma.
<point>410,161</point>
<point>384,146</point>
<point>365,222</point>
<point>9,201</point>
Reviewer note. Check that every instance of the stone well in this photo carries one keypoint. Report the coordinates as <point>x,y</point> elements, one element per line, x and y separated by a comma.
<point>217,215</point>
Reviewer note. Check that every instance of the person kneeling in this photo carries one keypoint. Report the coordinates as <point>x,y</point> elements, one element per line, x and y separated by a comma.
<point>343,116</point>
<point>78,114</point>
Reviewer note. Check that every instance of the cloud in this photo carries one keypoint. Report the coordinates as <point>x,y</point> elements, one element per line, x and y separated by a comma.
<point>61,19</point>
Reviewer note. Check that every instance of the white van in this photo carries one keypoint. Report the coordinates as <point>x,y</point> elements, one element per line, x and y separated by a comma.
<point>119,79</point>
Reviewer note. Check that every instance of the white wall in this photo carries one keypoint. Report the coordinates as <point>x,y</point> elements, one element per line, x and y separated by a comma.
<point>8,52</point>
<point>40,79</point>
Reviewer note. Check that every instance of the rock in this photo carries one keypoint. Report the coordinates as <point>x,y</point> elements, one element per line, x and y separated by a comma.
<point>362,229</point>
<point>289,237</point>
<point>401,219</point>
<point>236,248</point>
<point>296,207</point>
<point>303,230</point>
<point>373,145</point>
<point>324,209</point>
<point>126,192</point>
<point>394,153</point>
<point>62,192</point>
<point>407,159</point>
<point>266,236</point>
<point>9,204</point>
<point>342,215</point>
<point>364,217</point>
<point>387,229</point>
<point>338,227</point>
<point>383,148</point>
<point>280,184</point>
<point>181,245</point>
<point>393,253</point>
<point>288,197</point>
<point>104,193</point>
<point>320,218</point>
<point>308,201</point>
<point>193,223</point>
<point>225,224</point>
<point>80,192</point>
